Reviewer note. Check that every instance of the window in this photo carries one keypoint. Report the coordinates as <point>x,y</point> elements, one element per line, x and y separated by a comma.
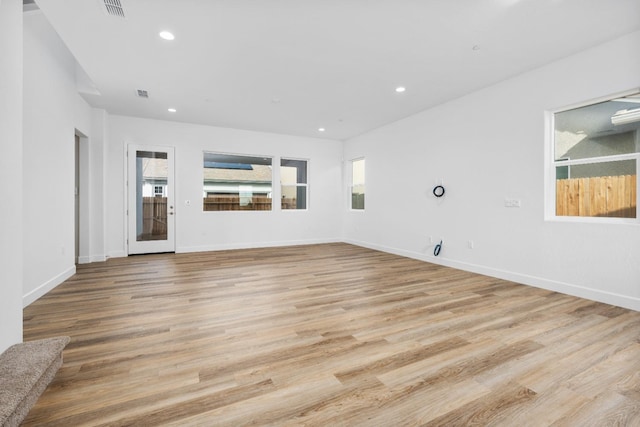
<point>357,184</point>
<point>595,159</point>
<point>158,190</point>
<point>234,183</point>
<point>293,184</point>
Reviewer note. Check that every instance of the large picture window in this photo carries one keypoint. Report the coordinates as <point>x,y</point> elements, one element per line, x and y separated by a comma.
<point>595,159</point>
<point>293,184</point>
<point>235,183</point>
<point>357,184</point>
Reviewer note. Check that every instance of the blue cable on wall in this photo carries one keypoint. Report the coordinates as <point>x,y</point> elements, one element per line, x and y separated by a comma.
<point>436,250</point>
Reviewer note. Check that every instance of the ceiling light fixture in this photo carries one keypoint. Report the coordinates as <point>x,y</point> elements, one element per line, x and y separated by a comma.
<point>321,129</point>
<point>623,117</point>
<point>400,89</point>
<point>166,35</point>
<point>171,110</point>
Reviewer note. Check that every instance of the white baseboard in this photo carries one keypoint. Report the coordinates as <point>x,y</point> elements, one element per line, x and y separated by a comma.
<point>47,286</point>
<point>91,258</point>
<point>619,300</point>
<point>116,254</point>
<point>625,301</point>
<point>253,245</point>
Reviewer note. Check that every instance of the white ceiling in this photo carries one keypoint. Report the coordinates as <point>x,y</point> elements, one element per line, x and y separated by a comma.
<point>293,66</point>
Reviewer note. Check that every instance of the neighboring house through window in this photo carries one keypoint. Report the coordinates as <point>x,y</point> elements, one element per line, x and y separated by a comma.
<point>154,176</point>
<point>595,159</point>
<point>236,182</point>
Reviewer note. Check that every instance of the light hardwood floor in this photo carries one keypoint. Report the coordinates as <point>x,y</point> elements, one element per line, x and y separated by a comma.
<point>328,335</point>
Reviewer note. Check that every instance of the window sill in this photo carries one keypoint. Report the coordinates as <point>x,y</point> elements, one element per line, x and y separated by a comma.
<point>593,220</point>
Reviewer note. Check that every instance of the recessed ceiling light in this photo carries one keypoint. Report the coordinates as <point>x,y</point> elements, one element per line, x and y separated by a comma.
<point>321,129</point>
<point>167,35</point>
<point>400,89</point>
<point>171,110</point>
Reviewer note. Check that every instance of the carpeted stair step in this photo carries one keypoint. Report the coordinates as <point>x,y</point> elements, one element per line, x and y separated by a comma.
<point>26,369</point>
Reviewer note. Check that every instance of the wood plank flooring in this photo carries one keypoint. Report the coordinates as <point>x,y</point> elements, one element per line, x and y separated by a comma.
<point>328,335</point>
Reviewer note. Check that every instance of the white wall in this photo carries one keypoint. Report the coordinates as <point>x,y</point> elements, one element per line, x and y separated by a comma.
<point>488,146</point>
<point>53,111</point>
<point>10,173</point>
<point>197,230</point>
<point>92,190</point>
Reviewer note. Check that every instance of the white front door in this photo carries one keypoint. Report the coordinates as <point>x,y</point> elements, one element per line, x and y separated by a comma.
<point>151,197</point>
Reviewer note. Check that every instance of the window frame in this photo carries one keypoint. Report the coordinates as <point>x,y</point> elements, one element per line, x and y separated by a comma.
<point>352,184</point>
<point>551,164</point>
<point>297,185</point>
<point>255,156</point>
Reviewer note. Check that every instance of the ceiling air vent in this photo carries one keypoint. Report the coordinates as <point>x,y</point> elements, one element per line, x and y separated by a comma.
<point>114,8</point>
<point>142,93</point>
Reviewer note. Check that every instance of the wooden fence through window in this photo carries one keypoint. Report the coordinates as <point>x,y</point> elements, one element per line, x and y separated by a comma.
<point>611,196</point>
<point>154,217</point>
<point>233,203</point>
<point>154,209</point>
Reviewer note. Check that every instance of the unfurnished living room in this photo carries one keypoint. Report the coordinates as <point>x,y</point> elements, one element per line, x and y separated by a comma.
<point>319,213</point>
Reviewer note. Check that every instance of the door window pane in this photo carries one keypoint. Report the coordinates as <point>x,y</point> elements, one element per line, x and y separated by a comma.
<point>151,210</point>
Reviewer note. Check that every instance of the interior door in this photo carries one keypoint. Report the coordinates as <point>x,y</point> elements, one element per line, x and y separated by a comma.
<point>151,197</point>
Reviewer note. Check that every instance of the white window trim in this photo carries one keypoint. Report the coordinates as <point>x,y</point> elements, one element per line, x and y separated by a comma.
<point>551,163</point>
<point>274,206</point>
<point>306,185</point>
<point>350,186</point>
